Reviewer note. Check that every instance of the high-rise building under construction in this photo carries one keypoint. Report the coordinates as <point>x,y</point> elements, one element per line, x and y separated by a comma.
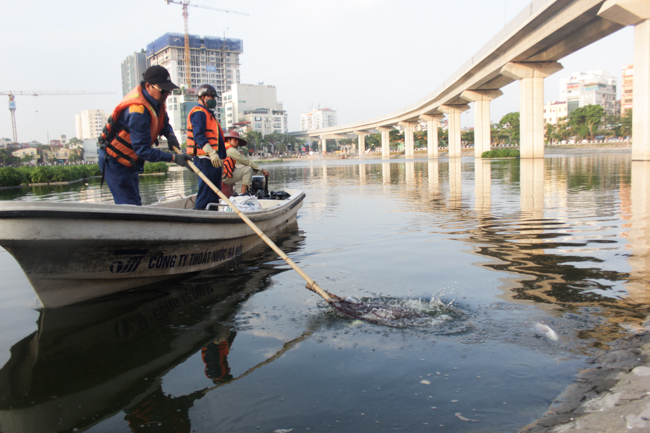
<point>213,60</point>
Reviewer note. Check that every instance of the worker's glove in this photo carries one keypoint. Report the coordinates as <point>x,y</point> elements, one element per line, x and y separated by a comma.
<point>182,159</point>
<point>214,158</point>
<point>172,142</point>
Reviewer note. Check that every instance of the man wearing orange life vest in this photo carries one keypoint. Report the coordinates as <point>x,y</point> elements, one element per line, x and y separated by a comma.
<point>205,141</point>
<point>132,129</point>
<point>236,166</point>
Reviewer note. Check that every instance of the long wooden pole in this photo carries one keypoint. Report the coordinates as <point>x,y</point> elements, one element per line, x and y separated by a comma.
<point>311,284</point>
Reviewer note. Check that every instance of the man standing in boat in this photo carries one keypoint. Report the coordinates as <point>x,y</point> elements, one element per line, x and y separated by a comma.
<point>236,166</point>
<point>206,143</point>
<point>132,129</point>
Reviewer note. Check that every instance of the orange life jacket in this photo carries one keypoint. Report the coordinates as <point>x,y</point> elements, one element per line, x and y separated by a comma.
<point>116,138</point>
<point>212,132</point>
<point>228,164</point>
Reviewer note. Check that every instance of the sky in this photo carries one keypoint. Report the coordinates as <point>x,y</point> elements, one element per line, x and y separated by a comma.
<point>362,58</point>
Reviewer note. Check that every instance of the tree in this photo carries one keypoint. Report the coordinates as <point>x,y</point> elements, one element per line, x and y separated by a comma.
<point>443,137</point>
<point>395,137</point>
<point>509,127</point>
<point>373,140</point>
<point>626,124</point>
<point>467,136</point>
<point>74,141</point>
<point>584,121</point>
<point>277,141</point>
<point>420,138</point>
<point>557,132</point>
<point>255,140</point>
<point>6,158</point>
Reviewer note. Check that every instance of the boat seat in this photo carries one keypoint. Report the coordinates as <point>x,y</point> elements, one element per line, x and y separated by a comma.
<point>227,189</point>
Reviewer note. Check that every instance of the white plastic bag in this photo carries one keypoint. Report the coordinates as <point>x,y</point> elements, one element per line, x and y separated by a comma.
<point>245,204</point>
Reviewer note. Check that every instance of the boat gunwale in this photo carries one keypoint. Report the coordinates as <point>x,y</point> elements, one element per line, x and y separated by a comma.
<point>140,213</point>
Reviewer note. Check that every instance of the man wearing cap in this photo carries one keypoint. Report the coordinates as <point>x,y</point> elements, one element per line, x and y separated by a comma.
<point>237,167</point>
<point>127,139</point>
<point>205,141</point>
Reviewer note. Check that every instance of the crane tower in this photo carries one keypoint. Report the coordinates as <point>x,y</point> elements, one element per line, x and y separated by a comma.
<point>185,4</point>
<point>12,102</point>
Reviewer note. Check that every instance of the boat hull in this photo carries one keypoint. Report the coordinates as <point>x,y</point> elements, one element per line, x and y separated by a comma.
<point>72,253</point>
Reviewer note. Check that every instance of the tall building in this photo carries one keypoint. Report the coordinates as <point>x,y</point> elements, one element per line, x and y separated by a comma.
<point>318,119</point>
<point>213,60</point>
<point>627,99</point>
<point>244,99</point>
<point>90,124</point>
<point>589,88</point>
<point>264,120</point>
<point>554,111</point>
<point>132,69</point>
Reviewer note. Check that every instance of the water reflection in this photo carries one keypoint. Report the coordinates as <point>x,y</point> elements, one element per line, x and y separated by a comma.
<point>532,187</point>
<point>88,361</point>
<point>455,183</point>
<point>433,176</point>
<point>638,237</point>
<point>564,241</point>
<point>482,186</point>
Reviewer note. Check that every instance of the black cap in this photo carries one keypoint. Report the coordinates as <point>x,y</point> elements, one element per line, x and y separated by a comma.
<point>159,76</point>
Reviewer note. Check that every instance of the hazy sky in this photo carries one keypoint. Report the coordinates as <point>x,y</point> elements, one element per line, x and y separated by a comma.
<point>362,58</point>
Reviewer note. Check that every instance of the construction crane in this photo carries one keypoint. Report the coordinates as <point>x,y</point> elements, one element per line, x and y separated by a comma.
<point>185,4</point>
<point>12,102</point>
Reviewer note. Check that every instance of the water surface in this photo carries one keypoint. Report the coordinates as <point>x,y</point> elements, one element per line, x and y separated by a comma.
<point>489,249</point>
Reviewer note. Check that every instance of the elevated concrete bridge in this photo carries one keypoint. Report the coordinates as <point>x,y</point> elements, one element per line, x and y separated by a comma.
<point>527,50</point>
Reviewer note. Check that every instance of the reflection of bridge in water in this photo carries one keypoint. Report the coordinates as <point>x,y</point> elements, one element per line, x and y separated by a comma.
<point>548,240</point>
<point>527,50</point>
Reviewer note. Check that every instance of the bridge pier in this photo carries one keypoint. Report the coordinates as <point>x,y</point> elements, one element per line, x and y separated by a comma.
<point>636,13</point>
<point>482,126</point>
<point>361,135</point>
<point>409,143</point>
<point>453,112</point>
<point>433,122</point>
<point>641,95</point>
<point>385,142</point>
<point>531,99</point>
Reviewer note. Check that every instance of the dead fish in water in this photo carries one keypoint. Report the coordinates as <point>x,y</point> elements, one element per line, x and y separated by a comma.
<point>462,418</point>
<point>546,331</point>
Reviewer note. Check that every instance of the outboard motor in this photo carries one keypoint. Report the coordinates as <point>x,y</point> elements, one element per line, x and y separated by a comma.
<point>260,183</point>
<point>260,189</point>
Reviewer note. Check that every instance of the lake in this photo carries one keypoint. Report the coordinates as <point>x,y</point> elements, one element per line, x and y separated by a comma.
<point>490,250</point>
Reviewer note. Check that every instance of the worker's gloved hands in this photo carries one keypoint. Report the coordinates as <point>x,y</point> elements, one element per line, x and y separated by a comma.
<point>214,158</point>
<point>172,142</point>
<point>182,159</point>
<point>216,161</point>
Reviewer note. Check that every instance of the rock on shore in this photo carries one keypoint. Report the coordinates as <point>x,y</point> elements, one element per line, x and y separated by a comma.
<point>612,395</point>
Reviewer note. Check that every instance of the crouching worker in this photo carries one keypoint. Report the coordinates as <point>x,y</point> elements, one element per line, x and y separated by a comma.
<point>205,141</point>
<point>132,129</point>
<point>237,167</point>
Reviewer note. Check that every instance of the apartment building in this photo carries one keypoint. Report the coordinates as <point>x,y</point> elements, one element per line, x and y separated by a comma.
<point>589,88</point>
<point>213,60</point>
<point>318,119</point>
<point>244,100</point>
<point>90,123</point>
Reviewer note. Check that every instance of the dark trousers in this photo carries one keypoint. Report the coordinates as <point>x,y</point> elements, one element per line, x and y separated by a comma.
<point>123,182</point>
<point>205,195</point>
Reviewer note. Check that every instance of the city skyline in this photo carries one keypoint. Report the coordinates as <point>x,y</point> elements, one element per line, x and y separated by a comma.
<point>362,67</point>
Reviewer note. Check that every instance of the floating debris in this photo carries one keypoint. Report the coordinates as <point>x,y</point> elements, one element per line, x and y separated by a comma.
<point>425,382</point>
<point>462,418</point>
<point>546,331</point>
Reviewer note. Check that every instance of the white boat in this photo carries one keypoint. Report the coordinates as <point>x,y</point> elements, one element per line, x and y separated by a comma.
<point>72,252</point>
<point>106,358</point>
